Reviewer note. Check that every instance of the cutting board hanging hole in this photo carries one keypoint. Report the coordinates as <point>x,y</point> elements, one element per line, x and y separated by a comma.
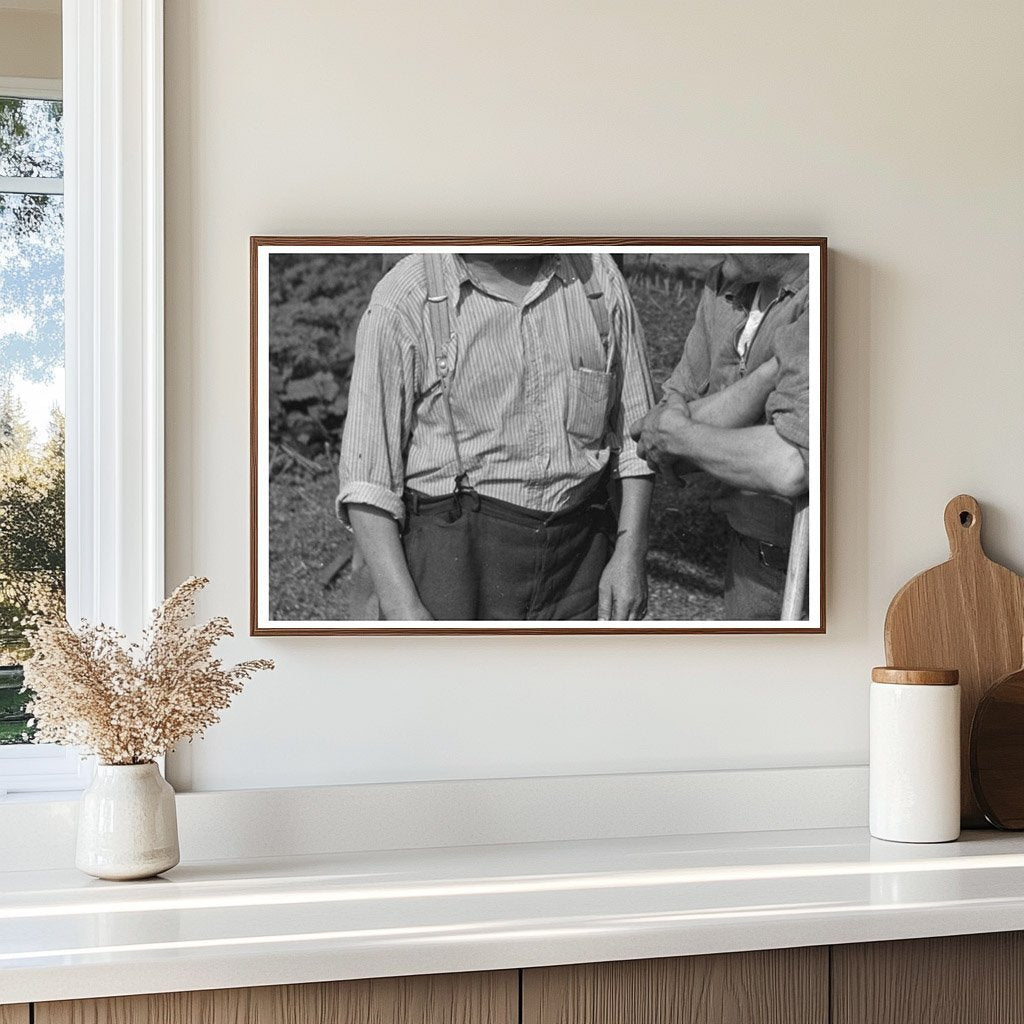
<point>963,526</point>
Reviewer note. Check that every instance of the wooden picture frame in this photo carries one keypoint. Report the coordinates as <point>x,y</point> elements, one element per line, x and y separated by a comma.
<point>307,399</point>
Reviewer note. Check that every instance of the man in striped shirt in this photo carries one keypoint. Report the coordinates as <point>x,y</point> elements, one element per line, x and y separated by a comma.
<point>478,471</point>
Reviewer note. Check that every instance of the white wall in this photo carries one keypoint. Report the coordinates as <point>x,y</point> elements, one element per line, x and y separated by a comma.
<point>895,129</point>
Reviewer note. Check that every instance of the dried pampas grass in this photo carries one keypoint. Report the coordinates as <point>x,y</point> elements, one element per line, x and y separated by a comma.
<point>130,703</point>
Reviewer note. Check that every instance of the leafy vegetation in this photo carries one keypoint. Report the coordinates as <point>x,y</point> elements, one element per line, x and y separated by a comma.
<point>13,718</point>
<point>31,544</point>
<point>31,349</point>
<point>315,306</point>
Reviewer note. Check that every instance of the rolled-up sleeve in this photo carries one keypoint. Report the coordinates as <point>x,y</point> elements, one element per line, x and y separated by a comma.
<point>637,394</point>
<point>372,466</point>
<point>788,405</point>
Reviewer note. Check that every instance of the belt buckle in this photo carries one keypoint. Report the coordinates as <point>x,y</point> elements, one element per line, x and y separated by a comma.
<point>463,490</point>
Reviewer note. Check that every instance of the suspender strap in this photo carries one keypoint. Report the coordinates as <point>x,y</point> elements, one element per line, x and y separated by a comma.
<point>595,299</point>
<point>439,314</point>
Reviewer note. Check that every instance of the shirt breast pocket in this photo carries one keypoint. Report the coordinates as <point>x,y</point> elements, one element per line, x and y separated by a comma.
<point>590,399</point>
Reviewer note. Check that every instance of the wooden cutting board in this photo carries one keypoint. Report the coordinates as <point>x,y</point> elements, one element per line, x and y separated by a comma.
<point>967,614</point>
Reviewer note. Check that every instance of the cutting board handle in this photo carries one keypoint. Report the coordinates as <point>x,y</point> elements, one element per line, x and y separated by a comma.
<point>963,526</point>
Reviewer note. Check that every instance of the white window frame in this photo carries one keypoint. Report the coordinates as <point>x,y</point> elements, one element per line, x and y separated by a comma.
<point>114,325</point>
<point>31,89</point>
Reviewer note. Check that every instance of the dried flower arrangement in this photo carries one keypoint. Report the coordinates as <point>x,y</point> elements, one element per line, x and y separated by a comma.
<point>130,703</point>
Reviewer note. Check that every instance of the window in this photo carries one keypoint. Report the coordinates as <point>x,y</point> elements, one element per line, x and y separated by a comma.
<point>31,382</point>
<point>32,531</point>
<point>112,212</point>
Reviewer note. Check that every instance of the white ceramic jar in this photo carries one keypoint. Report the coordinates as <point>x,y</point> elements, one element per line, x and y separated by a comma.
<point>127,823</point>
<point>915,755</point>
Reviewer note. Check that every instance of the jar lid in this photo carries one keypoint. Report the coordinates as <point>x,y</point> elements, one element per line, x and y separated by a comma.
<point>916,676</point>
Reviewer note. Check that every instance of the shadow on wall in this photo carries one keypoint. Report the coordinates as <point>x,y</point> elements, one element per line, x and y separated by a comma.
<point>853,288</point>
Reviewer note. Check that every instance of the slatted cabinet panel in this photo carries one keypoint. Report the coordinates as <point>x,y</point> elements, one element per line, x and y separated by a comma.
<point>14,1014</point>
<point>491,998</point>
<point>780,986</point>
<point>962,979</point>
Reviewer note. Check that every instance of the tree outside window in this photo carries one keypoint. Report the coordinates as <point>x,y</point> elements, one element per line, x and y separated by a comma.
<point>32,535</point>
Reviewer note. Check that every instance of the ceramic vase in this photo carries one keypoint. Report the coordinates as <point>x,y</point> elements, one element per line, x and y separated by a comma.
<point>127,825</point>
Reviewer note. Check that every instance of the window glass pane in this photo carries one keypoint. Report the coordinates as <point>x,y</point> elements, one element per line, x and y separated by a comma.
<point>31,430</point>
<point>31,138</point>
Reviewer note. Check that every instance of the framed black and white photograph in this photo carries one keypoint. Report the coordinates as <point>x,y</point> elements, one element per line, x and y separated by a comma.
<point>537,435</point>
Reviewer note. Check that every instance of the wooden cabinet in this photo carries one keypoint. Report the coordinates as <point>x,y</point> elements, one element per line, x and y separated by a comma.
<point>491,998</point>
<point>971,979</point>
<point>962,979</point>
<point>778,986</point>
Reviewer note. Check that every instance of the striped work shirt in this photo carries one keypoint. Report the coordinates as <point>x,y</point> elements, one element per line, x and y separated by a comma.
<point>541,404</point>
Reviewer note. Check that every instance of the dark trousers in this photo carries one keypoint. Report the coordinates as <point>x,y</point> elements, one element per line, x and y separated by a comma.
<point>755,579</point>
<point>478,558</point>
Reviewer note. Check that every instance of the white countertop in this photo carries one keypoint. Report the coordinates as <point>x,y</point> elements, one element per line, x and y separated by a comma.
<point>357,915</point>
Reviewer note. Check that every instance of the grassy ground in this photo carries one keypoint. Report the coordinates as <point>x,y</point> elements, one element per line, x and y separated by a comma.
<point>12,732</point>
<point>686,563</point>
<point>687,557</point>
<point>12,702</point>
<point>305,538</point>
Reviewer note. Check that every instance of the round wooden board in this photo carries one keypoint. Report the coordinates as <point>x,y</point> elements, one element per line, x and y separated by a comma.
<point>997,752</point>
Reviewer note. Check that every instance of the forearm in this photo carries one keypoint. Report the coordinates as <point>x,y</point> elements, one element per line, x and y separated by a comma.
<point>750,458</point>
<point>377,534</point>
<point>742,403</point>
<point>622,593</point>
<point>634,516</point>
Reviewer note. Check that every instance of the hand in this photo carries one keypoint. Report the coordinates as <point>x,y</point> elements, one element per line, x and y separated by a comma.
<point>636,431</point>
<point>622,592</point>
<point>658,432</point>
